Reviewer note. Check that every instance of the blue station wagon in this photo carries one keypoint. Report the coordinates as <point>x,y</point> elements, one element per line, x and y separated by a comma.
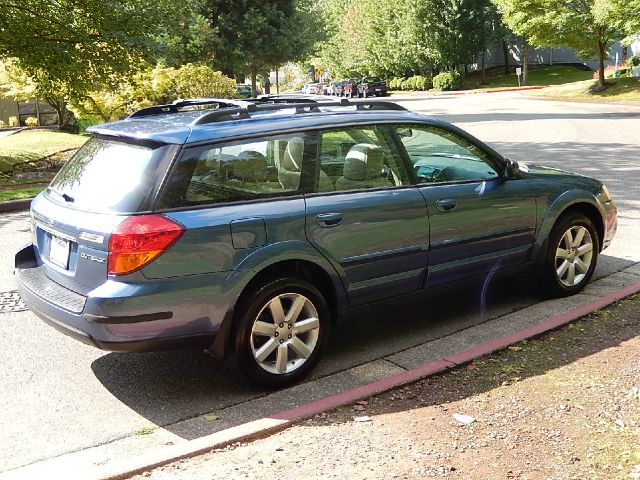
<point>249,227</point>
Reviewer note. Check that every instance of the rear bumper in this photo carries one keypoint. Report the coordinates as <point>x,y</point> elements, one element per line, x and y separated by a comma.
<point>122,317</point>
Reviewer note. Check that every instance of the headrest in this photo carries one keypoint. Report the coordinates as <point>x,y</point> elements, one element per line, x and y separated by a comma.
<point>292,159</point>
<point>363,162</point>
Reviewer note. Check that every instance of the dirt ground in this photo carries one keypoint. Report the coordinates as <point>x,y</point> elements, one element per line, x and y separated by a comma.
<point>563,406</point>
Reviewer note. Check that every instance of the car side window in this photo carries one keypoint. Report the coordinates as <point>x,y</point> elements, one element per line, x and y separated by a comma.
<point>438,155</point>
<point>356,158</point>
<point>246,170</point>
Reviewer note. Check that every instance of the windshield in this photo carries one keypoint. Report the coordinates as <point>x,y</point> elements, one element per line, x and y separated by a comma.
<point>107,176</point>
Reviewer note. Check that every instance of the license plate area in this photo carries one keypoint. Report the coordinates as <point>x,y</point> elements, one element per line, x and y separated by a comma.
<point>59,252</point>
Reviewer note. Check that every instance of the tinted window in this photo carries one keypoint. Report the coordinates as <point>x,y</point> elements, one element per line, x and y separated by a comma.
<point>438,155</point>
<point>358,158</point>
<point>108,176</point>
<point>248,170</point>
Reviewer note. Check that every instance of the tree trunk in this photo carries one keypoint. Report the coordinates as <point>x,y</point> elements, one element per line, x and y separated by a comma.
<point>625,54</point>
<point>267,85</point>
<point>254,89</point>
<point>601,52</point>
<point>484,72</point>
<point>525,62</point>
<point>505,52</point>
<point>277,82</point>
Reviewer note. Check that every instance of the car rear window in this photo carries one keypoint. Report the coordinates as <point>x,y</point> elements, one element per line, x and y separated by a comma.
<point>108,176</point>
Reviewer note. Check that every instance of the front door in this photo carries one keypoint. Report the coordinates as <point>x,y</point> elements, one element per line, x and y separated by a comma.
<point>479,222</point>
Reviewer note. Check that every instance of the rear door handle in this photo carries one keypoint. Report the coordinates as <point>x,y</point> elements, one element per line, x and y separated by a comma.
<point>446,205</point>
<point>329,219</point>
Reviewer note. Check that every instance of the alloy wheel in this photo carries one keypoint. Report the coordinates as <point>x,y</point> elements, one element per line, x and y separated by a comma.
<point>574,255</point>
<point>285,333</point>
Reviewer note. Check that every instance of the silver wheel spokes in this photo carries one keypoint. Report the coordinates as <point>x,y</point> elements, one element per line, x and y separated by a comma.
<point>574,255</point>
<point>285,333</point>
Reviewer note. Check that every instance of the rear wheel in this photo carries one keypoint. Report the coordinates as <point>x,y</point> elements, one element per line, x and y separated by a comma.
<point>281,332</point>
<point>572,255</point>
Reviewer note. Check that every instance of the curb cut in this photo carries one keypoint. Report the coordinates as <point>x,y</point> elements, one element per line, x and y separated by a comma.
<point>266,426</point>
<point>15,205</point>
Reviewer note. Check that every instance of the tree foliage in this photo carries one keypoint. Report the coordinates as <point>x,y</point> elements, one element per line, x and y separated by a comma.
<point>588,26</point>
<point>386,37</point>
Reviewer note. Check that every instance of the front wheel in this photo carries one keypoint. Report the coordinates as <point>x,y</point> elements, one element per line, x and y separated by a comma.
<point>281,332</point>
<point>572,255</point>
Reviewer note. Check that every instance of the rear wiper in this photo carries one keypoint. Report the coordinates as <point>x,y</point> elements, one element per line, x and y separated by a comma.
<point>67,198</point>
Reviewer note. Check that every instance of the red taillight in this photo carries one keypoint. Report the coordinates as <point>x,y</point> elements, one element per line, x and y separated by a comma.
<point>140,239</point>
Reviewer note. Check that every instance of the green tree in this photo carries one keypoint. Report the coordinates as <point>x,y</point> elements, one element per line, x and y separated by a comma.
<point>256,36</point>
<point>588,26</point>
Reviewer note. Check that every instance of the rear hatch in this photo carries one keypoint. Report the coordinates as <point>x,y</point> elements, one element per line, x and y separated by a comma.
<point>107,180</point>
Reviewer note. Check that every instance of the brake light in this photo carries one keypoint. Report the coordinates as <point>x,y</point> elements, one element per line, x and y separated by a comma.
<point>140,239</point>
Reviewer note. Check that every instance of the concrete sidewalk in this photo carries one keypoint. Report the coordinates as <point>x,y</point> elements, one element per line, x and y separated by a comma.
<point>262,416</point>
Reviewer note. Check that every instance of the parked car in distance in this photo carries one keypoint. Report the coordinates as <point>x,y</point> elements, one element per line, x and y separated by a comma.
<point>350,88</point>
<point>372,87</point>
<point>338,88</point>
<point>243,91</point>
<point>310,88</point>
<point>250,228</point>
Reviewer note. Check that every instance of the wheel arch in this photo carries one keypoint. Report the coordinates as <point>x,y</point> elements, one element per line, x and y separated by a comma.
<point>311,267</point>
<point>559,209</point>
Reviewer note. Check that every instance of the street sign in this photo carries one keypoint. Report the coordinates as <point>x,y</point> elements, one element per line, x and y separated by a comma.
<point>518,71</point>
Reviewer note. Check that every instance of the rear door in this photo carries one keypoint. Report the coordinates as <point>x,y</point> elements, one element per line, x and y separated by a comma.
<point>479,222</point>
<point>365,216</point>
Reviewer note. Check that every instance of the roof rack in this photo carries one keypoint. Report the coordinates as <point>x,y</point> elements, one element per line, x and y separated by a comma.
<point>189,103</point>
<point>226,110</point>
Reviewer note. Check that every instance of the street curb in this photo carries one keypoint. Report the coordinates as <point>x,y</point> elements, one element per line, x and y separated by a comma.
<point>279,421</point>
<point>15,205</point>
<point>497,90</point>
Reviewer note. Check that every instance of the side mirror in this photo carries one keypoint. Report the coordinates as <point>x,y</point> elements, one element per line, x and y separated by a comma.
<point>511,169</point>
<point>404,132</point>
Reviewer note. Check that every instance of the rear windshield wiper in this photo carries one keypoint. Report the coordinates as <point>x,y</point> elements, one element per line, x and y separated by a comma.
<point>66,198</point>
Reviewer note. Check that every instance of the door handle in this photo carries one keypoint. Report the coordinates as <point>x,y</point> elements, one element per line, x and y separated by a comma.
<point>329,219</point>
<point>446,205</point>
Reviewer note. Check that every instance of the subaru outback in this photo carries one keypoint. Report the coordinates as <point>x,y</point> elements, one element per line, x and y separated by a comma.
<point>248,228</point>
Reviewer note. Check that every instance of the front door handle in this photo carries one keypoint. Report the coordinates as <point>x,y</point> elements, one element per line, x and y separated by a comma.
<point>329,219</point>
<point>446,205</point>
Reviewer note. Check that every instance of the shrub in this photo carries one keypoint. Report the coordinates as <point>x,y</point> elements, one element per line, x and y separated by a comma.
<point>13,121</point>
<point>447,81</point>
<point>31,122</point>
<point>633,61</point>
<point>2,124</point>
<point>421,82</point>
<point>395,83</point>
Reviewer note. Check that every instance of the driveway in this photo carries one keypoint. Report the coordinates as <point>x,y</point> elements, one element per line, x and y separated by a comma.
<point>60,396</point>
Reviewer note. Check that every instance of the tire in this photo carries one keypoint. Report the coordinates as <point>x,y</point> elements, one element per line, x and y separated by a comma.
<point>572,255</point>
<point>277,354</point>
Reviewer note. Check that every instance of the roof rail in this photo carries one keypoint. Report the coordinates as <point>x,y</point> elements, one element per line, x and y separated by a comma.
<point>183,104</point>
<point>226,110</point>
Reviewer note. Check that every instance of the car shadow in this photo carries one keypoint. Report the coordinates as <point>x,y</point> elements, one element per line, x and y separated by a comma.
<point>173,388</point>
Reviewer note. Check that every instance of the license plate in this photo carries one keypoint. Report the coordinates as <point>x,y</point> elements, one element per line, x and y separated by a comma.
<point>377,89</point>
<point>59,252</point>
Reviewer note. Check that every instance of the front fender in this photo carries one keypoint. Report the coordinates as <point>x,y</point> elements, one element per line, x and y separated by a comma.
<point>554,211</point>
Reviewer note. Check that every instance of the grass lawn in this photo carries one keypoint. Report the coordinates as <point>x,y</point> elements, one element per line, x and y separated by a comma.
<point>21,193</point>
<point>32,145</point>
<point>621,89</point>
<point>556,75</point>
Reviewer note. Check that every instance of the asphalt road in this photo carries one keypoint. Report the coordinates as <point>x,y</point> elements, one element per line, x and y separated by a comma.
<point>60,396</point>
